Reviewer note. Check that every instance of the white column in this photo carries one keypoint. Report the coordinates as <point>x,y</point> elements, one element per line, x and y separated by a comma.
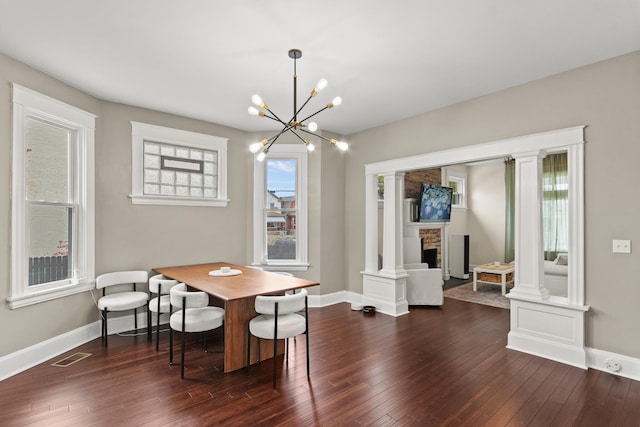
<point>444,247</point>
<point>371,224</point>
<point>393,220</point>
<point>529,282</point>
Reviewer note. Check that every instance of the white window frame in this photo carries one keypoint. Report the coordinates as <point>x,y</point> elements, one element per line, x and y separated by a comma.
<point>141,132</point>
<point>30,104</point>
<point>461,183</point>
<point>299,153</point>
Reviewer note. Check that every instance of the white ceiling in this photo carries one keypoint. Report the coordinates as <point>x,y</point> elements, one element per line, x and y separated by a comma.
<point>388,60</point>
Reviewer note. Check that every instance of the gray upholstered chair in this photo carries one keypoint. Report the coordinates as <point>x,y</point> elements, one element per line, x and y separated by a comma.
<point>279,318</point>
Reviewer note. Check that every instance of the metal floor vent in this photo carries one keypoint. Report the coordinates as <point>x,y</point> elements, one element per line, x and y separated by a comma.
<point>70,360</point>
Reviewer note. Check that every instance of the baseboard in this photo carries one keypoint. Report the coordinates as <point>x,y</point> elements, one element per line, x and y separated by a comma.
<point>607,362</point>
<point>36,354</point>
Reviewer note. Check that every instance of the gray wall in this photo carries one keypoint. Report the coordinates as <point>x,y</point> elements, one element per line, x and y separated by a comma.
<point>143,237</point>
<point>604,96</point>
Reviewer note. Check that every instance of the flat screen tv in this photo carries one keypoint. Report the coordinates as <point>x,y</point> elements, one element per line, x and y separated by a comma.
<point>435,203</point>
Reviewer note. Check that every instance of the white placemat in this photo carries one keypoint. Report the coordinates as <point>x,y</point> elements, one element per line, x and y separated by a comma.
<point>220,273</point>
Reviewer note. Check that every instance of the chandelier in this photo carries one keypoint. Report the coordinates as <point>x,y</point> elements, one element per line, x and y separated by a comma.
<point>296,126</point>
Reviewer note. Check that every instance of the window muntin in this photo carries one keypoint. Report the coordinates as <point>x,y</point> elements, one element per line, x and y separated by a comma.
<point>177,167</point>
<point>52,252</point>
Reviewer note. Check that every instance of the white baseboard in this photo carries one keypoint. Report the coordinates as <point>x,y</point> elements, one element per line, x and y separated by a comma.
<point>601,360</point>
<point>36,354</point>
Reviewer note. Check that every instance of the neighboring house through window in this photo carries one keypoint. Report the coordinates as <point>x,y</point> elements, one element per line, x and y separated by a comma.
<point>52,209</point>
<point>280,209</point>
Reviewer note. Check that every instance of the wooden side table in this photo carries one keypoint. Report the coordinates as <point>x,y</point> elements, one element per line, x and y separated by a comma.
<point>501,274</point>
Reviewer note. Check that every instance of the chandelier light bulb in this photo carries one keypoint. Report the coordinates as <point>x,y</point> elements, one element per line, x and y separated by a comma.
<point>335,102</point>
<point>262,155</point>
<point>310,146</point>
<point>342,145</point>
<point>322,83</point>
<point>253,111</point>
<point>313,126</point>
<point>255,147</point>
<point>257,100</point>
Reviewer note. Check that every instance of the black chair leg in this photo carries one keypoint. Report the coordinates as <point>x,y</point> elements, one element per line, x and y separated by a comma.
<point>149,337</point>
<point>170,346</point>
<point>158,331</point>
<point>104,323</point>
<point>182,356</point>
<point>275,364</point>
<point>135,319</point>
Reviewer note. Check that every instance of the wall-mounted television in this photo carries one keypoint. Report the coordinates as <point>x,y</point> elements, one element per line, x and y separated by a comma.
<point>435,203</point>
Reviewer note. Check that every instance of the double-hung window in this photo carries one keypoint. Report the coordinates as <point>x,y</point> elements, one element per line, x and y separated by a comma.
<point>280,209</point>
<point>52,212</point>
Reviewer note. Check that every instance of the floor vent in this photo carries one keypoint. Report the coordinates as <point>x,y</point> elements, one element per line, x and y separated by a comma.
<point>70,360</point>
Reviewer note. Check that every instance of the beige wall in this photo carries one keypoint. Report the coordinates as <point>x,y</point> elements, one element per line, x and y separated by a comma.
<point>486,201</point>
<point>142,237</point>
<point>605,97</point>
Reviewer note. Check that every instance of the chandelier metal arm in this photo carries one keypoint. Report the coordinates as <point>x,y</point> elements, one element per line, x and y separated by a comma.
<point>316,135</point>
<point>276,117</point>
<point>317,112</point>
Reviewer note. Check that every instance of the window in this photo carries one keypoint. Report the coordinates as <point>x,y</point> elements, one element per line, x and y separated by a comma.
<point>555,205</point>
<point>280,208</point>
<point>459,197</point>
<point>52,211</point>
<point>176,167</point>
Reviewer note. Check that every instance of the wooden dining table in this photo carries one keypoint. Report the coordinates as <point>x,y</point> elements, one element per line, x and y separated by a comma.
<point>236,294</point>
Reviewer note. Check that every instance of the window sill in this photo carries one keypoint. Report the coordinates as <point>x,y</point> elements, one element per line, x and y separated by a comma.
<point>48,295</point>
<point>177,201</point>
<point>283,267</point>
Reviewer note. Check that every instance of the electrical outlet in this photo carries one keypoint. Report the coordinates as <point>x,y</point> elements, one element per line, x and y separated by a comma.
<point>612,365</point>
<point>622,246</point>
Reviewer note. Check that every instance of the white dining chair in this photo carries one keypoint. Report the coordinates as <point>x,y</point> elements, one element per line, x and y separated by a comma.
<point>194,315</point>
<point>279,318</point>
<point>120,297</point>
<point>161,304</point>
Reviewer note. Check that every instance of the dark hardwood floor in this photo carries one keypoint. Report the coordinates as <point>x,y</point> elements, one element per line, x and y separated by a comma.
<point>434,367</point>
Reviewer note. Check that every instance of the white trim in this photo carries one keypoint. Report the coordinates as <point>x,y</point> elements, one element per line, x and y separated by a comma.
<point>629,366</point>
<point>28,103</point>
<point>525,148</point>
<point>142,131</point>
<point>301,263</point>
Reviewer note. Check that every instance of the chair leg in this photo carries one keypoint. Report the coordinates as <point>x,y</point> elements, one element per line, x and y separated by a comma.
<point>170,346</point>
<point>306,332</point>
<point>149,325</point>
<point>135,319</point>
<point>182,356</point>
<point>206,342</point>
<point>275,364</point>
<point>104,324</point>
<point>158,331</point>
